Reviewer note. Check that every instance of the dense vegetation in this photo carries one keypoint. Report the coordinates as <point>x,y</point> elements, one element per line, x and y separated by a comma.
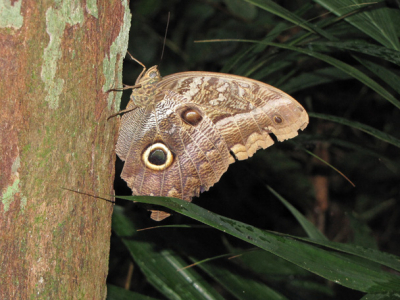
<point>340,60</point>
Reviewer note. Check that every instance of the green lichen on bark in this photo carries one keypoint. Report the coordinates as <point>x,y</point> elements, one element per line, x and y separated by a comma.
<point>117,51</point>
<point>10,14</point>
<point>91,6</point>
<point>8,195</point>
<point>69,12</point>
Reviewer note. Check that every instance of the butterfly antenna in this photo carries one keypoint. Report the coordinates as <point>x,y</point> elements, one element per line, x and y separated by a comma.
<point>165,38</point>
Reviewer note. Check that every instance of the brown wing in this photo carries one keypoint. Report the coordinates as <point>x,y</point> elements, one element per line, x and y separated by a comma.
<point>244,110</point>
<point>197,118</point>
<point>199,153</point>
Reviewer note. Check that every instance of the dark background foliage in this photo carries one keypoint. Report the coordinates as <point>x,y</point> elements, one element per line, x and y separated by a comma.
<point>366,215</point>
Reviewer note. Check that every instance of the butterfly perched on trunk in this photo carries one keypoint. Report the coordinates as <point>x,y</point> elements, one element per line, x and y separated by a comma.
<point>179,133</point>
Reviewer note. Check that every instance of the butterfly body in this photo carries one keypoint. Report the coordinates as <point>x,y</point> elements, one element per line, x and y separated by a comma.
<point>145,95</point>
<point>182,131</point>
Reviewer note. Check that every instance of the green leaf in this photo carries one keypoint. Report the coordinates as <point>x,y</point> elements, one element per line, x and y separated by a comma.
<point>352,71</point>
<point>118,293</point>
<point>349,271</point>
<point>391,78</point>
<point>375,20</point>
<point>309,228</point>
<point>163,268</point>
<point>364,47</point>
<point>317,236</point>
<point>269,265</point>
<point>278,10</point>
<point>241,9</point>
<point>317,77</point>
<point>240,285</point>
<point>386,296</point>
<point>362,234</point>
<point>356,147</point>
<point>367,129</point>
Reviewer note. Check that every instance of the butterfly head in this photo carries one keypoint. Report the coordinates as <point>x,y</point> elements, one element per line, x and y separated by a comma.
<point>145,88</point>
<point>150,77</point>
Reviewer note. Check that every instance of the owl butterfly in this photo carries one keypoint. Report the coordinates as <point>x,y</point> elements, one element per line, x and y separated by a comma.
<point>179,133</point>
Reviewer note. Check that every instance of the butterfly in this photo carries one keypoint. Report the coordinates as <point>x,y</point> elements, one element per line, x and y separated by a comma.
<point>179,133</point>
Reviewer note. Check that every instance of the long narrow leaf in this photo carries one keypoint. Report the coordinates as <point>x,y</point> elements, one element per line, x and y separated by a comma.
<point>308,227</point>
<point>365,48</point>
<point>374,21</point>
<point>278,10</point>
<point>332,61</point>
<point>367,129</point>
<point>240,285</point>
<point>161,265</point>
<point>391,78</point>
<point>117,293</point>
<point>353,273</point>
<point>386,296</point>
<point>319,239</point>
<point>315,78</point>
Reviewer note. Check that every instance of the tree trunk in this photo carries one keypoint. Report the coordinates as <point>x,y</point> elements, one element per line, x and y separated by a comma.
<point>57,60</point>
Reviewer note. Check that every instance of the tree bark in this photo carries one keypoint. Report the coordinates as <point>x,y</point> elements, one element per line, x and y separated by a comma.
<point>57,60</point>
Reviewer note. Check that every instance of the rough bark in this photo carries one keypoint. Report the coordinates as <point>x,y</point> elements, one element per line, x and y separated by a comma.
<point>57,60</point>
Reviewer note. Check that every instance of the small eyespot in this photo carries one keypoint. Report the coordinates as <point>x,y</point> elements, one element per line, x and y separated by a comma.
<point>278,120</point>
<point>157,157</point>
<point>153,74</point>
<point>191,116</point>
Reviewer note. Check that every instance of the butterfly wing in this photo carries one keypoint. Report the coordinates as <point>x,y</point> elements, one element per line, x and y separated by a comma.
<point>244,110</point>
<point>197,120</point>
<point>199,153</point>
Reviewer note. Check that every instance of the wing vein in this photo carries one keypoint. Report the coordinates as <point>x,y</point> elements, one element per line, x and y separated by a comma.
<point>194,165</point>
<point>211,142</point>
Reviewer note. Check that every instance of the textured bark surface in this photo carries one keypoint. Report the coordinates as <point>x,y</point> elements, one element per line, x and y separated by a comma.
<point>57,59</point>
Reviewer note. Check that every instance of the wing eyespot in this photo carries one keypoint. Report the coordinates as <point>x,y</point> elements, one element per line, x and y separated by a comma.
<point>157,157</point>
<point>278,120</point>
<point>191,116</point>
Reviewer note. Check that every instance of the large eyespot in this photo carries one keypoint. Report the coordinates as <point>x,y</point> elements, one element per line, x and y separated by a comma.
<point>278,119</point>
<point>157,157</point>
<point>191,116</point>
